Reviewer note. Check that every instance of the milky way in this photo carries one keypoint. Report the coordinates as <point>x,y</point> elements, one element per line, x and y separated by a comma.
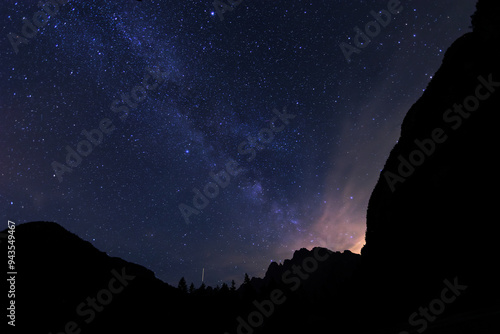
<point>156,131</point>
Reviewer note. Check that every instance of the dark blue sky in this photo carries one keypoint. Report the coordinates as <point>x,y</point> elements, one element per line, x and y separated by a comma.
<point>176,94</point>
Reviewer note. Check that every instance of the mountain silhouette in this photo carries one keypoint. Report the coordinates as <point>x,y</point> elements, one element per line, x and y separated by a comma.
<point>57,271</point>
<point>429,263</point>
<point>68,285</point>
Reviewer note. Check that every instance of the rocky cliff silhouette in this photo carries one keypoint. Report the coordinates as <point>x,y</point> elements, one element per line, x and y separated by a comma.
<point>429,263</point>
<point>430,216</point>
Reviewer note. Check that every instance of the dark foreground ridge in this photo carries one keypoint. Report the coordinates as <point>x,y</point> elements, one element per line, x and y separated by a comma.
<point>429,263</point>
<point>68,285</point>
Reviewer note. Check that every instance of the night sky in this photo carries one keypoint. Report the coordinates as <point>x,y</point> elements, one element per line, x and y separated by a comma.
<point>116,115</point>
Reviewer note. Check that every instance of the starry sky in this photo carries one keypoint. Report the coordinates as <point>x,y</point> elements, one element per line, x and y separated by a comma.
<point>124,121</point>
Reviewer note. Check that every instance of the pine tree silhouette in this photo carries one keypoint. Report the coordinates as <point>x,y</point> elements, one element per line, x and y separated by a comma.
<point>182,286</point>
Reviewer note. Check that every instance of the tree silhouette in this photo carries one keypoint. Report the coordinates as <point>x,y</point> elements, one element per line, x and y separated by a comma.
<point>233,286</point>
<point>192,288</point>
<point>246,280</point>
<point>182,286</point>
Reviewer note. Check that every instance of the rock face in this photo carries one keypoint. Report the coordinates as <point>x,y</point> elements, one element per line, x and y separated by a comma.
<point>432,215</point>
